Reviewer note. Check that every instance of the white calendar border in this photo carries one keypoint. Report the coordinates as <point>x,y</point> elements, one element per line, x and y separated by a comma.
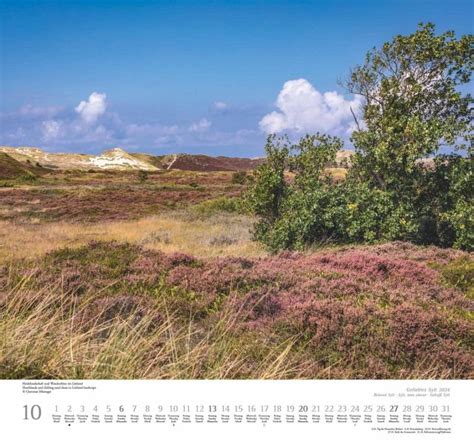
<point>13,398</point>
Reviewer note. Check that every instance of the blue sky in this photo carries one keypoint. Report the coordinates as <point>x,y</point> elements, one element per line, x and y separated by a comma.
<point>190,76</point>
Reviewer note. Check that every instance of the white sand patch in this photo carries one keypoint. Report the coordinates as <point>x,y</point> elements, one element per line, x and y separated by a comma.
<point>119,159</point>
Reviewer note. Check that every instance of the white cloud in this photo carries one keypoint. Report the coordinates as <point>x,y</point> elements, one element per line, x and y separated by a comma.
<point>92,109</point>
<point>302,109</point>
<point>200,126</point>
<point>50,129</point>
<point>220,105</point>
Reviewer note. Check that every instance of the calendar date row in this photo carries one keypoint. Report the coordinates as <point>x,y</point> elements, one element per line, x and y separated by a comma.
<point>240,408</point>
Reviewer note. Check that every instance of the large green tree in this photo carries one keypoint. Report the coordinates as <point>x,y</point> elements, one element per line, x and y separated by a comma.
<point>413,105</point>
<point>416,102</point>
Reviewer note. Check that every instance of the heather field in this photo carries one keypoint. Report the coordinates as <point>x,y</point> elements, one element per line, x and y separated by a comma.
<point>104,275</point>
<point>79,196</point>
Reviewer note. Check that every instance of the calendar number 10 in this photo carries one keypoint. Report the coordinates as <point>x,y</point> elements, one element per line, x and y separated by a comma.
<point>34,412</point>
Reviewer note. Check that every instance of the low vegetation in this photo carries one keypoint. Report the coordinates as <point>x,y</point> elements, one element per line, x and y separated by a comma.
<point>219,205</point>
<point>96,200</point>
<point>112,310</point>
<point>14,172</point>
<point>221,234</point>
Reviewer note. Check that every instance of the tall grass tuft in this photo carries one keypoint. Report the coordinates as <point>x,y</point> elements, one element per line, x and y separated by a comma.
<point>49,334</point>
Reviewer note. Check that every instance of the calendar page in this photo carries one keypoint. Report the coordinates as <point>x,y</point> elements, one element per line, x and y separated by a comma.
<point>236,220</point>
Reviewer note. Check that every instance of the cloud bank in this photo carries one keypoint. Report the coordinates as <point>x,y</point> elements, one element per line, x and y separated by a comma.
<point>91,126</point>
<point>302,109</point>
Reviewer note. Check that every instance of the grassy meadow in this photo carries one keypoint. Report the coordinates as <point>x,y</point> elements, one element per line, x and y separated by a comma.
<point>120,276</point>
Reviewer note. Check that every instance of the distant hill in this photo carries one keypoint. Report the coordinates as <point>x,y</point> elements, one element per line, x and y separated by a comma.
<point>115,159</point>
<point>11,168</point>
<point>154,160</point>
<point>201,163</point>
<point>207,163</point>
<point>119,159</point>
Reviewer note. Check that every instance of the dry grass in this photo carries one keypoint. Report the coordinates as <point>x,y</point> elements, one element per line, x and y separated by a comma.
<point>220,235</point>
<point>42,335</point>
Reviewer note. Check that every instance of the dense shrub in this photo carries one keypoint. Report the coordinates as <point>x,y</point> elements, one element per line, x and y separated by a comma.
<point>297,205</point>
<point>305,207</point>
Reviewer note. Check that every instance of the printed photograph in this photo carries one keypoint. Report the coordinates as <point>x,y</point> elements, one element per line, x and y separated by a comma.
<point>236,189</point>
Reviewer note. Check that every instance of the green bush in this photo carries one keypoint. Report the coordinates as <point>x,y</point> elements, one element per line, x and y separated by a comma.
<point>374,216</point>
<point>460,274</point>
<point>239,177</point>
<point>461,220</point>
<point>142,176</point>
<point>27,178</point>
<point>303,207</point>
<point>219,205</point>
